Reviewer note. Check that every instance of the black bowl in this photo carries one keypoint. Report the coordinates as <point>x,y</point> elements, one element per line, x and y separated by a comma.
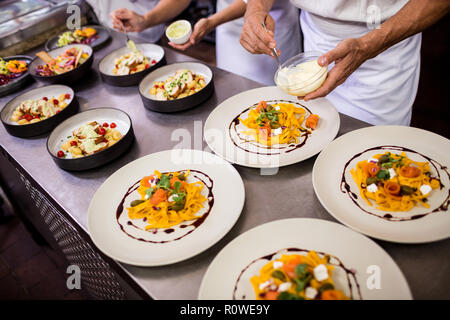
<point>18,82</point>
<point>43,126</point>
<point>67,77</point>
<point>176,105</point>
<point>106,65</point>
<point>65,129</point>
<point>103,33</point>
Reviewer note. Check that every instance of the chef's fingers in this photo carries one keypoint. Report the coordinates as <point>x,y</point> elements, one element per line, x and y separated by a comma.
<point>265,36</point>
<point>254,42</point>
<point>247,46</point>
<point>181,47</point>
<point>332,81</point>
<point>341,50</point>
<point>123,14</point>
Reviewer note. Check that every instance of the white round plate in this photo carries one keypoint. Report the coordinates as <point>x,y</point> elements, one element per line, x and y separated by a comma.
<point>228,278</point>
<point>105,231</point>
<point>222,139</point>
<point>416,226</point>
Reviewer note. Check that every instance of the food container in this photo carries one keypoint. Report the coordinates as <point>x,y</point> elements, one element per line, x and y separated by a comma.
<point>179,31</point>
<point>301,74</point>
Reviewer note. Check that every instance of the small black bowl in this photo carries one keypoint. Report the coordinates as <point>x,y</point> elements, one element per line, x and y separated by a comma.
<point>106,65</point>
<point>103,36</point>
<point>18,82</point>
<point>59,136</point>
<point>176,105</point>
<point>43,126</point>
<point>67,77</point>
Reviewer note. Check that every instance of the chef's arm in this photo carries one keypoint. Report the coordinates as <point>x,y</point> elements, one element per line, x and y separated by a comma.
<point>164,11</point>
<point>414,17</point>
<point>205,25</point>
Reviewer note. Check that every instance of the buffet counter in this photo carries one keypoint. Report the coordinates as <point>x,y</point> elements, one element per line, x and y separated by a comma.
<point>62,198</point>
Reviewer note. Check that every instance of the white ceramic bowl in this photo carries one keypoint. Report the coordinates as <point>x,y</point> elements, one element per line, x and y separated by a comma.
<point>179,31</point>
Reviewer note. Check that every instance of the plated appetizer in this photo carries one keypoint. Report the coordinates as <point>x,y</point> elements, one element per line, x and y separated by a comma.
<point>65,62</point>
<point>86,35</point>
<point>35,110</point>
<point>132,62</point>
<point>277,123</point>
<point>182,84</point>
<point>167,199</point>
<point>394,182</point>
<point>297,277</point>
<point>90,138</point>
<point>12,69</point>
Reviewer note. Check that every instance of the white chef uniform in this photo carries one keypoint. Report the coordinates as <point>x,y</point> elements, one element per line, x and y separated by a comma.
<point>382,90</point>
<point>232,57</point>
<point>103,8</point>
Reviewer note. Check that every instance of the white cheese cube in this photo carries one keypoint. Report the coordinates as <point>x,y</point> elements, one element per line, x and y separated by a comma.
<point>277,264</point>
<point>425,189</point>
<point>391,173</point>
<point>264,285</point>
<point>321,272</point>
<point>311,292</point>
<point>277,131</point>
<point>372,160</point>
<point>372,187</point>
<point>284,286</point>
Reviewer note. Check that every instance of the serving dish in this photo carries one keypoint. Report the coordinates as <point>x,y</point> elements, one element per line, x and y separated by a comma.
<point>153,52</point>
<point>416,213</point>
<point>226,130</point>
<point>67,77</point>
<point>43,126</point>
<point>64,133</point>
<point>151,102</point>
<point>101,38</point>
<point>135,239</point>
<point>353,256</point>
<point>20,81</point>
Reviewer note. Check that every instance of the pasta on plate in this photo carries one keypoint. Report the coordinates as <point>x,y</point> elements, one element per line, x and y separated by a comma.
<point>394,182</point>
<point>279,123</point>
<point>297,277</point>
<point>167,199</point>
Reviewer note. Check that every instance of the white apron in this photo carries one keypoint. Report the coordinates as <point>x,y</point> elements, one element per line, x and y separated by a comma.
<point>383,89</point>
<point>231,56</point>
<point>103,8</point>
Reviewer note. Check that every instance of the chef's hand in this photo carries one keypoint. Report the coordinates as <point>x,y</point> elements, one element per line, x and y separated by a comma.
<point>254,38</point>
<point>347,57</point>
<point>201,28</point>
<point>130,20</point>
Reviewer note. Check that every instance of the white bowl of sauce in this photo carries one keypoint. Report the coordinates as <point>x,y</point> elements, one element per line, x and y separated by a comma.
<point>179,31</point>
<point>301,74</point>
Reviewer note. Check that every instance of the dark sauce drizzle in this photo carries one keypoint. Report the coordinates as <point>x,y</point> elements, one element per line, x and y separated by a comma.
<point>345,187</point>
<point>350,274</point>
<point>195,224</point>
<point>291,147</point>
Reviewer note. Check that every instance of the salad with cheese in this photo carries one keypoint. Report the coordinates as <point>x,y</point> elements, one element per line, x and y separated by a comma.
<point>32,111</point>
<point>89,139</point>
<point>132,62</point>
<point>184,83</point>
<point>65,62</point>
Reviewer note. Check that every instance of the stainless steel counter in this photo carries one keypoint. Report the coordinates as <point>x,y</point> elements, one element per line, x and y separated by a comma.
<point>426,266</point>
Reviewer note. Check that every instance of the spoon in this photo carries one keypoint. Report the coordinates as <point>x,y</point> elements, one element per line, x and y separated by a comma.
<point>274,51</point>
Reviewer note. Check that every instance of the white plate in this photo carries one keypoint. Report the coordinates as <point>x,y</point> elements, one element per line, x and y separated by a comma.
<point>221,137</point>
<point>330,164</point>
<point>105,231</point>
<point>355,251</point>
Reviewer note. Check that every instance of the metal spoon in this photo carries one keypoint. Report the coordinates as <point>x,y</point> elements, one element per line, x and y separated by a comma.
<point>274,51</point>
